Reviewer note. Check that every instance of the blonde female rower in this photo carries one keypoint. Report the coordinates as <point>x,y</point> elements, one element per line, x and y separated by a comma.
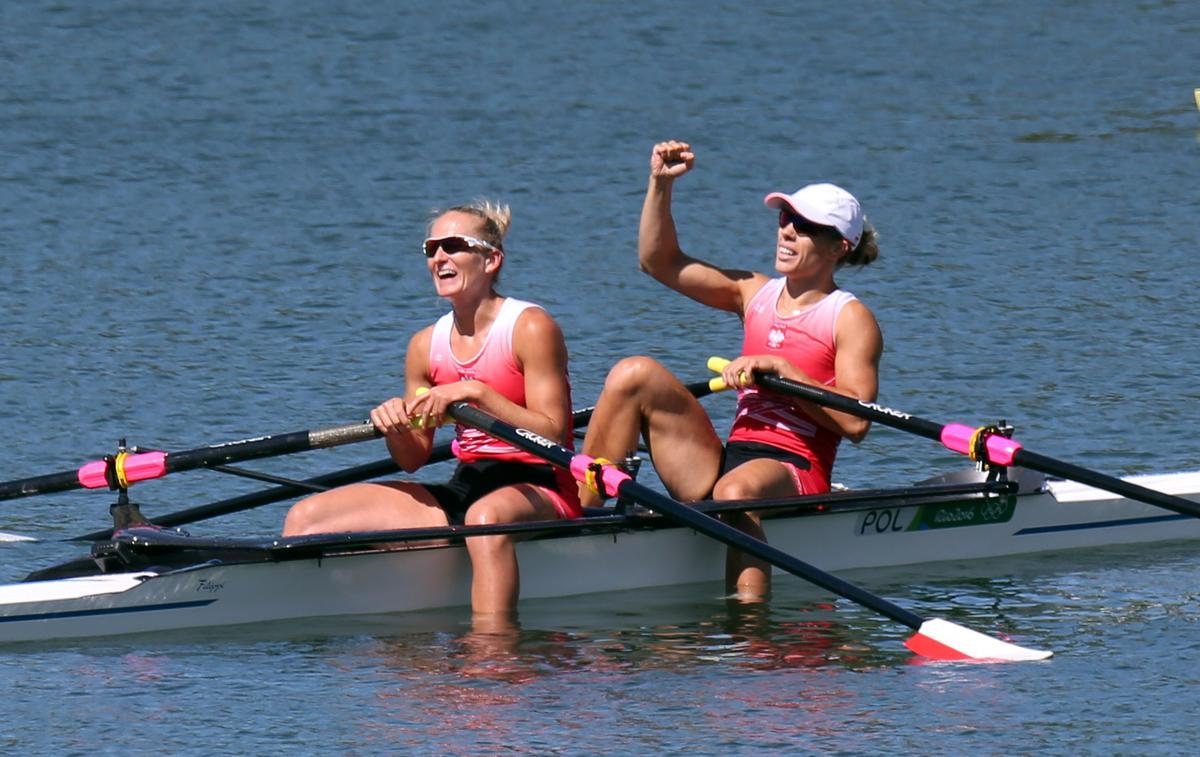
<point>503,355</point>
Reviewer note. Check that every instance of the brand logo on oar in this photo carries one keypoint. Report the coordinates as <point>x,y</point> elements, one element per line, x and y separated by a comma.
<point>537,439</point>
<point>885,410</point>
<point>238,443</point>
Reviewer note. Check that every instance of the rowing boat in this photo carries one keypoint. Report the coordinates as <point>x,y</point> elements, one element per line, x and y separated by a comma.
<point>147,579</point>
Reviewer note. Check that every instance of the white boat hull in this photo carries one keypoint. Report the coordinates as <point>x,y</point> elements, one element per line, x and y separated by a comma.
<point>1066,516</point>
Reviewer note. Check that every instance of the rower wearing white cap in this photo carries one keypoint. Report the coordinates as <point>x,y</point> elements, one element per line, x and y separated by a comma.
<point>799,324</point>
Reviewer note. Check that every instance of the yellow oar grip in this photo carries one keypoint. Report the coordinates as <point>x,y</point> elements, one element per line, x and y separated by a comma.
<point>421,422</point>
<point>716,365</point>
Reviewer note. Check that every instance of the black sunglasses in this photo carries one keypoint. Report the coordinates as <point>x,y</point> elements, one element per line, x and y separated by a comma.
<point>804,226</point>
<point>456,243</point>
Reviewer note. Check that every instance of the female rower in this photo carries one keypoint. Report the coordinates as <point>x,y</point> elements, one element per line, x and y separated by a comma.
<point>500,354</point>
<point>799,325</point>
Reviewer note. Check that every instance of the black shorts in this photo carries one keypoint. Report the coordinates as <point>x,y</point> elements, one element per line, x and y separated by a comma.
<point>737,453</point>
<point>473,480</point>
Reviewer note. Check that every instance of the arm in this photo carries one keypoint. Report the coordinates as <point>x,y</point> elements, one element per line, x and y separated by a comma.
<point>408,446</point>
<point>659,253</point>
<point>541,352</point>
<point>859,346</point>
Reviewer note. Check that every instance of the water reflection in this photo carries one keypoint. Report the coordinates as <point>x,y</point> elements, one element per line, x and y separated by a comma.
<point>497,649</point>
<point>738,635</point>
<point>1045,600</point>
<point>718,666</point>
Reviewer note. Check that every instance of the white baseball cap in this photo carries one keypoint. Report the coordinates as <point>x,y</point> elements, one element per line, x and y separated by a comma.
<point>824,204</point>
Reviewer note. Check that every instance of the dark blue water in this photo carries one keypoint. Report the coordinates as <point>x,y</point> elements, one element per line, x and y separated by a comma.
<point>209,220</point>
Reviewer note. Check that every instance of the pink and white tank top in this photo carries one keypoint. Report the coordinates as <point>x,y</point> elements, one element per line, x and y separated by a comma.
<point>806,340</point>
<point>495,366</point>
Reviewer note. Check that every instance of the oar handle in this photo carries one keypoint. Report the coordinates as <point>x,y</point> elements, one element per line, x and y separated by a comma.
<point>716,365</point>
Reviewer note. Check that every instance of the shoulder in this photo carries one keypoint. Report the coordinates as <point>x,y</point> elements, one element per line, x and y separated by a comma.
<point>755,282</point>
<point>856,324</point>
<point>421,339</point>
<point>535,325</point>
<point>856,308</point>
<point>538,341</point>
<point>756,288</point>
<point>758,283</point>
<point>419,347</point>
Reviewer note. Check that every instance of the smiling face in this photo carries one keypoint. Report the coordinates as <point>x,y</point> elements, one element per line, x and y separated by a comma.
<point>805,248</point>
<point>471,268</point>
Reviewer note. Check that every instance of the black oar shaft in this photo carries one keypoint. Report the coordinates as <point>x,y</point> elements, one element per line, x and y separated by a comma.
<point>1129,490</point>
<point>92,475</point>
<point>257,448</point>
<point>869,410</point>
<point>230,452</point>
<point>1020,456</point>
<point>559,455</point>
<point>270,446</point>
<point>440,453</point>
<point>47,484</point>
<point>723,532</point>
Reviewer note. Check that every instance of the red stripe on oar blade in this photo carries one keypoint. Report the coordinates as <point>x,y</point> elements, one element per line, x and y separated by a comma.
<point>935,650</point>
<point>940,639</point>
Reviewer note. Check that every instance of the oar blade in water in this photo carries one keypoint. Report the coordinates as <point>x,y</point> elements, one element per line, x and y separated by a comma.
<point>939,639</point>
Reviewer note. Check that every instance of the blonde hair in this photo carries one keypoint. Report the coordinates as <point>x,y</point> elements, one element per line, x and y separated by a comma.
<point>867,249</point>
<point>496,218</point>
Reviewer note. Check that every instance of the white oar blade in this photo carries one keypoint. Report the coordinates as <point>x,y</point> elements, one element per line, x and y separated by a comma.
<point>940,639</point>
<point>9,536</point>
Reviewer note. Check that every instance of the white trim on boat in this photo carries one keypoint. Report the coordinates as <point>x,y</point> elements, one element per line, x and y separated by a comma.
<point>1179,484</point>
<point>71,588</point>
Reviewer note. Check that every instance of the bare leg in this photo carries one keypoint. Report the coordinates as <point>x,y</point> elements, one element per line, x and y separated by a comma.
<point>364,507</point>
<point>641,397</point>
<point>748,576</point>
<point>495,576</point>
